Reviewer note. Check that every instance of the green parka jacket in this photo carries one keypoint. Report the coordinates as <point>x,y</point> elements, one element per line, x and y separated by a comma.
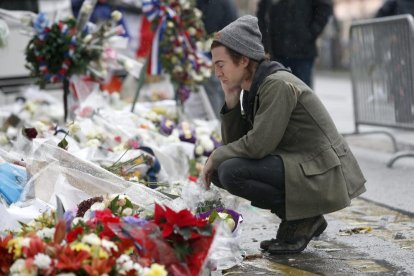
<point>321,173</point>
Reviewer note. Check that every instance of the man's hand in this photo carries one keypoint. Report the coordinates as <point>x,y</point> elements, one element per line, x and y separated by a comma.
<point>208,172</point>
<point>231,96</point>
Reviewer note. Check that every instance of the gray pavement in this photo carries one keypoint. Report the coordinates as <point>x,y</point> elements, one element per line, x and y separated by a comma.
<point>375,235</point>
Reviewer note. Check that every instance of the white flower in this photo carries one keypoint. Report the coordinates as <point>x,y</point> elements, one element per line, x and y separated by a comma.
<point>178,50</point>
<point>206,72</point>
<point>228,220</point>
<point>123,258</point>
<point>91,239</point>
<point>192,31</point>
<point>128,65</point>
<point>86,8</point>
<point>127,212</point>
<point>152,116</point>
<point>197,13</point>
<point>77,220</point>
<point>121,200</point>
<point>116,15</point>
<point>108,245</point>
<point>138,268</point>
<point>196,77</point>
<point>199,150</point>
<point>74,128</point>
<point>40,127</point>
<point>98,206</point>
<point>88,38</point>
<point>177,69</point>
<point>17,267</point>
<point>46,233</point>
<point>134,179</point>
<point>66,274</point>
<point>186,6</point>
<point>230,223</point>
<point>119,148</point>
<point>25,242</point>
<point>93,143</point>
<point>11,132</point>
<point>42,261</point>
<point>207,144</point>
<point>127,266</point>
<point>30,106</point>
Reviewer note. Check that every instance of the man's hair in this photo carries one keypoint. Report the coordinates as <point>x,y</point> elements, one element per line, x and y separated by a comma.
<point>237,57</point>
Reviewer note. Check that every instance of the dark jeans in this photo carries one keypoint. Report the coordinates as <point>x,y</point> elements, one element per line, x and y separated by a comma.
<point>301,68</point>
<point>262,181</point>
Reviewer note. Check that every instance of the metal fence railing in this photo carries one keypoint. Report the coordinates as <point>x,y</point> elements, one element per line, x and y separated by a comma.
<point>382,72</point>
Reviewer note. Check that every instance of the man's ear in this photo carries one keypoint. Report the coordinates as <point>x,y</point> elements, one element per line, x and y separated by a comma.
<point>245,61</point>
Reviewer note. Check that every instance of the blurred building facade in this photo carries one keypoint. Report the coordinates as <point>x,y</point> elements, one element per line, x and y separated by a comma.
<point>335,40</point>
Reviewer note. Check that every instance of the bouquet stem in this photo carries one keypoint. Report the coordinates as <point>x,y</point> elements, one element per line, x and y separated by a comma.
<point>65,98</point>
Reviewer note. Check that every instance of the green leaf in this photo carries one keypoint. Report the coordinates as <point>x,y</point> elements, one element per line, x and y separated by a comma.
<point>182,251</point>
<point>206,230</point>
<point>63,144</point>
<point>114,204</point>
<point>185,232</point>
<point>213,216</point>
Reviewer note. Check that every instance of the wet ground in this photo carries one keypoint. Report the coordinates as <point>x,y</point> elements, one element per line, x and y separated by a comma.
<point>363,239</point>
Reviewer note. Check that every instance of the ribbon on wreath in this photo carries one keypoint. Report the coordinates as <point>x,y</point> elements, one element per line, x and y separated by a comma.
<point>154,10</point>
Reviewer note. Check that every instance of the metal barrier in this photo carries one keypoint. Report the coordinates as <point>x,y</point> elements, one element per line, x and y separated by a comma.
<point>382,72</point>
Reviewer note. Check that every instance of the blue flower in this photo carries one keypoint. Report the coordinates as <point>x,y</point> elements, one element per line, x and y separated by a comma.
<point>40,23</point>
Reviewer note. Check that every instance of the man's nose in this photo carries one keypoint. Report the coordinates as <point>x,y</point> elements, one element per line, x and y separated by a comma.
<point>218,72</point>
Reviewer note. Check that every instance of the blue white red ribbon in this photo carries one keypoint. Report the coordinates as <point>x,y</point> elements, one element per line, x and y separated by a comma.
<point>154,10</point>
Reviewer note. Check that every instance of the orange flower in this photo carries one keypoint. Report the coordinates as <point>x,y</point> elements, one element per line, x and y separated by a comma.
<point>71,260</point>
<point>99,267</point>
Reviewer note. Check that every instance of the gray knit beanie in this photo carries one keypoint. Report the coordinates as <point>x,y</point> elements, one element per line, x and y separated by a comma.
<point>243,36</point>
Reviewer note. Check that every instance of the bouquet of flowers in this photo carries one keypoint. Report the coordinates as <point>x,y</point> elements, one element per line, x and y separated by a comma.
<point>178,43</point>
<point>67,47</point>
<point>109,238</point>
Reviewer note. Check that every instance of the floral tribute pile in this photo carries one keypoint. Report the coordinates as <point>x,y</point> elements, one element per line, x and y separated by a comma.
<point>178,43</point>
<point>107,236</point>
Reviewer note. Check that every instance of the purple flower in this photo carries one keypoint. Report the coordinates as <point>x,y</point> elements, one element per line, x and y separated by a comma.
<point>68,216</point>
<point>166,126</point>
<point>135,221</point>
<point>183,93</point>
<point>236,216</point>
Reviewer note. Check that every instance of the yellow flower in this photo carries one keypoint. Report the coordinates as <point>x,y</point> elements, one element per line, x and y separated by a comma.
<point>156,270</point>
<point>15,245</point>
<point>103,254</point>
<point>80,246</point>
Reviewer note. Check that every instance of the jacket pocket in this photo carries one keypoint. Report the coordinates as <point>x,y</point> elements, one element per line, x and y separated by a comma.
<point>321,163</point>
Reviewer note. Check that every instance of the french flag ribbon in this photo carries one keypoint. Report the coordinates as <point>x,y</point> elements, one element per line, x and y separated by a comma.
<point>154,62</point>
<point>154,10</point>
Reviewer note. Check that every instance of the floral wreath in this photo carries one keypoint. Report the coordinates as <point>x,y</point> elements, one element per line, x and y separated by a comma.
<point>178,44</point>
<point>68,47</point>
